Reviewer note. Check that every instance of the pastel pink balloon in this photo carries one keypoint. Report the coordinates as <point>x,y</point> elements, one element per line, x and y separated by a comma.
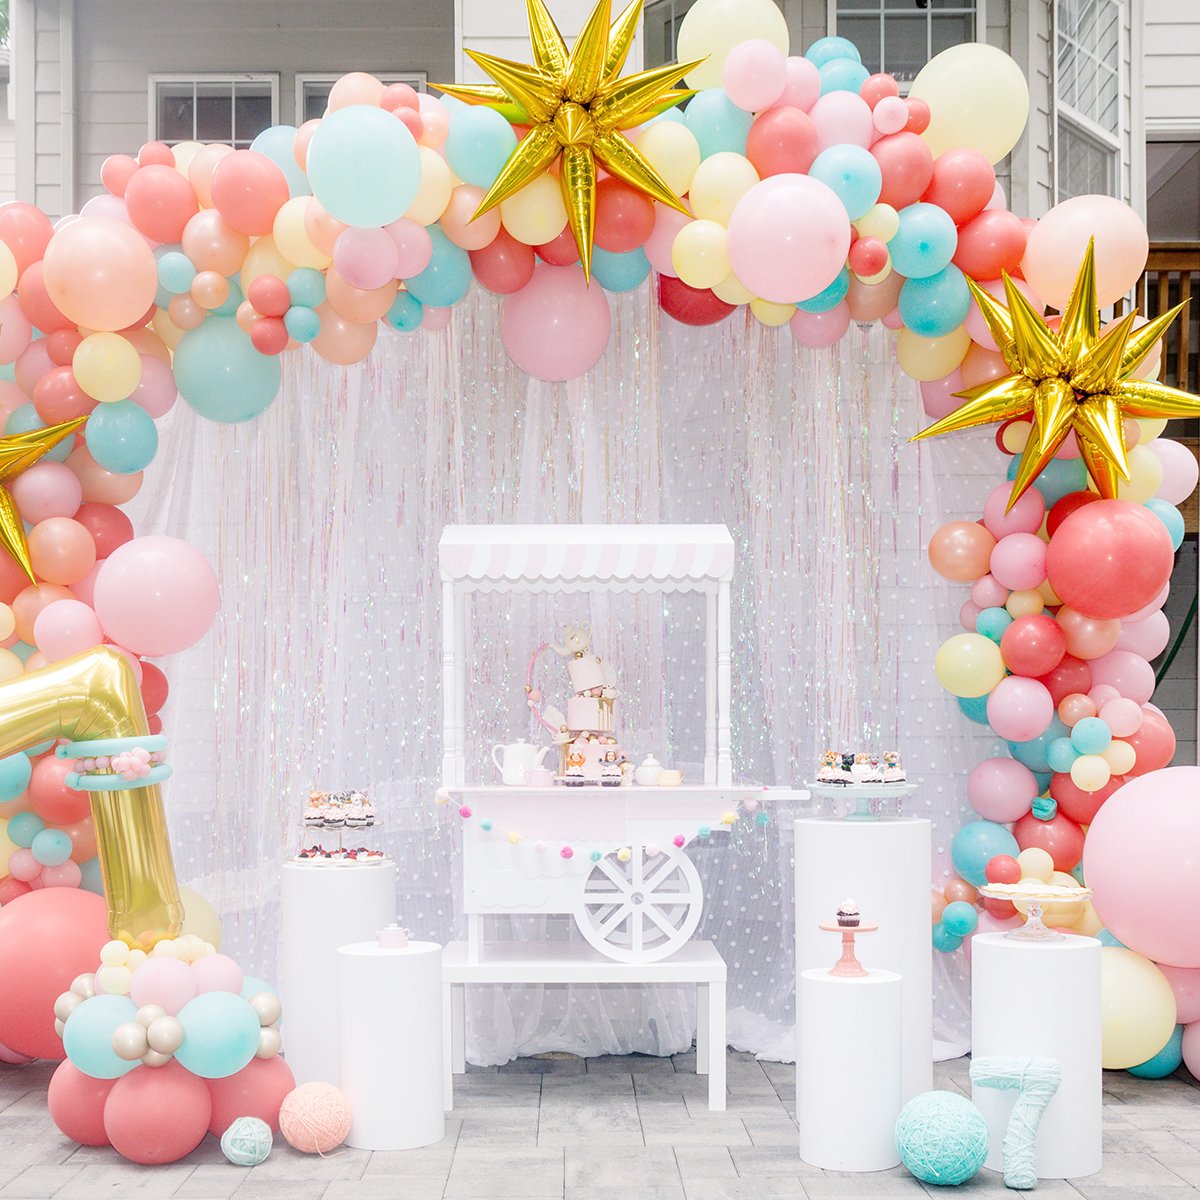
<point>366,258</point>
<point>435,120</point>
<point>1026,515</point>
<point>66,627</point>
<point>968,615</point>
<point>667,223</point>
<point>47,489</point>
<point>556,327</point>
<point>65,874</point>
<point>1020,709</point>
<point>755,74</point>
<point>893,320</point>
<point>803,84</point>
<point>15,330</point>
<point>987,593</point>
<point>156,391</point>
<point>999,199</point>
<point>23,867</point>
<point>1102,694</point>
<point>1180,470</point>
<point>1185,983</point>
<point>217,973</point>
<point>85,588</point>
<point>1147,637</point>
<point>1069,448</point>
<point>1001,789</point>
<point>414,247</point>
<point>165,981</point>
<point>1129,673</point>
<point>1152,607</point>
<point>840,118</point>
<point>1123,717</point>
<point>937,395</point>
<point>890,115</point>
<point>1019,561</point>
<point>788,236</point>
<point>434,319</point>
<point>821,330</point>
<point>976,326</point>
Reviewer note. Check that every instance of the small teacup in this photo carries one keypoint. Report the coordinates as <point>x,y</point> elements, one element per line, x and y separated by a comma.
<point>670,778</point>
<point>394,937</point>
<point>540,777</point>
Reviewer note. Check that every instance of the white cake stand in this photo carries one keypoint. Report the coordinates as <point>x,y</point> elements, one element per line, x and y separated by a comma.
<point>862,794</point>
<point>1034,929</point>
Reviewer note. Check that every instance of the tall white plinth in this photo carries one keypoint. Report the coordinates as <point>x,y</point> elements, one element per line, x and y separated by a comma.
<point>390,1044</point>
<point>885,867</point>
<point>322,908</point>
<point>1042,1000</point>
<point>848,1069</point>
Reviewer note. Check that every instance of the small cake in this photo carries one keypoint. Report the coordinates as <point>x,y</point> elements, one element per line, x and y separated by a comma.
<point>893,771</point>
<point>314,815</point>
<point>866,768</point>
<point>848,766</point>
<point>576,761</point>
<point>848,915</point>
<point>829,770</point>
<point>334,811</point>
<point>610,768</point>
<point>356,817</point>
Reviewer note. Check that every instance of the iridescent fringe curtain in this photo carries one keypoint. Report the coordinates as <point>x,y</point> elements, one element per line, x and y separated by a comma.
<point>323,519</point>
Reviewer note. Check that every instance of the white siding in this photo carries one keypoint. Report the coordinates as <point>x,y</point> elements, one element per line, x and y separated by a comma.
<point>1172,81</point>
<point>8,147</point>
<point>1031,44</point>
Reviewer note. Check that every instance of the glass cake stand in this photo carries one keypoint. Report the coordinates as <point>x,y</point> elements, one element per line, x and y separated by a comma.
<point>1035,929</point>
<point>865,796</point>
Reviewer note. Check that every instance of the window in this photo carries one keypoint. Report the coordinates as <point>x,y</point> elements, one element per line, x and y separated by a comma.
<point>233,109</point>
<point>1087,90</point>
<point>660,28</point>
<point>901,36</point>
<point>312,89</point>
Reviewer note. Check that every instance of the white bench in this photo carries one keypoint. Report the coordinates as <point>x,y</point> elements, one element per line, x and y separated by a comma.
<point>577,962</point>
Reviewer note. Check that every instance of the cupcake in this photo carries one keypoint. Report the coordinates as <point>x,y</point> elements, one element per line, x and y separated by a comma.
<point>848,914</point>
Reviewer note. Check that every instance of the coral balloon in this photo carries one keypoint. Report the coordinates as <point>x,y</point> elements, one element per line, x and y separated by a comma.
<point>76,1103</point>
<point>51,798</point>
<point>990,243</point>
<point>1060,837</point>
<point>906,164</point>
<point>689,305</point>
<point>26,231</point>
<point>160,202</point>
<point>961,550</point>
<point>504,265</point>
<point>963,182</point>
<point>157,1115</point>
<point>782,141</point>
<point>1153,743</point>
<point>248,189</point>
<point>624,216</point>
<point>257,1090</point>
<point>1033,645</point>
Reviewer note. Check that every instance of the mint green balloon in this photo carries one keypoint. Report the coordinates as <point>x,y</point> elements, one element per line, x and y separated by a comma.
<point>220,1034</point>
<point>364,166</point>
<point>87,1037</point>
<point>221,375</point>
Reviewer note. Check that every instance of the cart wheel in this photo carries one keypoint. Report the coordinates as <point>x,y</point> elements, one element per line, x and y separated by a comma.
<point>641,910</point>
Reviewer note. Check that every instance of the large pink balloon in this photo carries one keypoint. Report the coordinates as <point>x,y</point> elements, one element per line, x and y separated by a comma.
<point>823,329</point>
<point>1025,516</point>
<point>1142,860</point>
<point>1185,983</point>
<point>100,273</point>
<point>66,627</point>
<point>1001,789</point>
<point>156,595</point>
<point>1180,470</point>
<point>1020,709</point>
<point>788,238</point>
<point>557,325</point>
<point>1129,673</point>
<point>1148,637</point>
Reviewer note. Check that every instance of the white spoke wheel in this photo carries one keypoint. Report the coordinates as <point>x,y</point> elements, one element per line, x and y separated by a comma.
<point>641,910</point>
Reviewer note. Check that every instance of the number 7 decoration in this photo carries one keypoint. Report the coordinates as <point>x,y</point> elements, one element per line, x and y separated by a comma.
<point>1035,1080</point>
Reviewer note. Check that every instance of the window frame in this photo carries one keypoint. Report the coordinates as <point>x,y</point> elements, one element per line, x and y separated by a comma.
<point>416,79</point>
<point>232,78</point>
<point>653,10</point>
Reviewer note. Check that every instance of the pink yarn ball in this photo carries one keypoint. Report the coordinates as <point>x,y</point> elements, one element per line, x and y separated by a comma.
<point>315,1118</point>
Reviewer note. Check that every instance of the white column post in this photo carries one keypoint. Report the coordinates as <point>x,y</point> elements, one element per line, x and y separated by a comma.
<point>724,686</point>
<point>450,676</point>
<point>710,688</point>
<point>460,690</point>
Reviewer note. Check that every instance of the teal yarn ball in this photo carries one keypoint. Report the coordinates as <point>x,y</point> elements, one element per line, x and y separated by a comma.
<point>942,1138</point>
<point>247,1142</point>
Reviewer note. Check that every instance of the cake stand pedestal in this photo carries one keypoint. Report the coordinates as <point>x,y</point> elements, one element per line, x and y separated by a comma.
<point>863,795</point>
<point>324,907</point>
<point>848,1068</point>
<point>847,967</point>
<point>885,866</point>
<point>1042,999</point>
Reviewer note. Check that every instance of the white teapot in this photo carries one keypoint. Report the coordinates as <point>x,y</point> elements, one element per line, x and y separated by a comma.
<point>516,760</point>
<point>648,772</point>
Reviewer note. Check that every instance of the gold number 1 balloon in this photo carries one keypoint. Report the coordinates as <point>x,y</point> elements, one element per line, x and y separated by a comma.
<point>90,696</point>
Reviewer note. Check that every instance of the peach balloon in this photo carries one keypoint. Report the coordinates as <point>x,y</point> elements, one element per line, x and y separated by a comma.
<point>300,144</point>
<point>873,301</point>
<point>1073,708</point>
<point>291,235</point>
<point>322,229</point>
<point>342,340</point>
<point>355,88</point>
<point>146,341</point>
<point>959,889</point>
<point>213,244</point>
<point>61,550</point>
<point>961,551</point>
<point>1088,637</point>
<point>210,289</point>
<point>165,329</point>
<point>200,171</point>
<point>937,904</point>
<point>28,604</point>
<point>982,366</point>
<point>457,223</point>
<point>358,305</point>
<point>101,486</point>
<point>185,313</point>
<point>83,840</point>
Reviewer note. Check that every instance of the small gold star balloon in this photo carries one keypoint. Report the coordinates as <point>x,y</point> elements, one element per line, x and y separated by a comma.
<point>576,105</point>
<point>1068,380</point>
<point>18,452</point>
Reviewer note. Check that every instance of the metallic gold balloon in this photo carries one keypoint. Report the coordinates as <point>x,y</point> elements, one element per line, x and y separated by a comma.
<point>576,105</point>
<point>18,452</point>
<point>1069,380</point>
<point>94,695</point>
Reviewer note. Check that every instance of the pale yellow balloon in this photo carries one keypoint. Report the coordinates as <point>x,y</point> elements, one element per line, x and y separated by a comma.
<point>433,194</point>
<point>931,358</point>
<point>264,258</point>
<point>1151,428</point>
<point>536,214</point>
<point>1146,476</point>
<point>719,182</point>
<point>880,221</point>
<point>968,665</point>
<point>200,918</point>
<point>8,622</point>
<point>115,980</point>
<point>767,312</point>
<point>291,238</point>
<point>1048,594</point>
<point>1016,435</point>
<point>184,153</point>
<point>7,846</point>
<point>8,271</point>
<point>107,367</point>
<point>1090,772</point>
<point>700,254</point>
<point>1137,1008</point>
<point>733,291</point>
<point>1089,923</point>
<point>977,97</point>
<point>711,28</point>
<point>1024,604</point>
<point>672,150</point>
<point>1035,863</point>
<point>169,333</point>
<point>1120,756</point>
<point>10,666</point>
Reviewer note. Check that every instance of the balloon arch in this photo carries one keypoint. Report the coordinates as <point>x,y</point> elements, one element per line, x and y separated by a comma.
<point>802,188</point>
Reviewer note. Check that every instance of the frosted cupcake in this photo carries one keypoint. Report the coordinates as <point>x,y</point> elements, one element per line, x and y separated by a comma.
<point>848,915</point>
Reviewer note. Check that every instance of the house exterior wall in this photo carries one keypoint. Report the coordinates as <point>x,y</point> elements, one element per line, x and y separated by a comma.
<point>1172,81</point>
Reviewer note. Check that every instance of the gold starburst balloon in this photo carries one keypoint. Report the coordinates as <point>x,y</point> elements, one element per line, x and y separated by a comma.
<point>18,452</point>
<point>576,106</point>
<point>1069,380</point>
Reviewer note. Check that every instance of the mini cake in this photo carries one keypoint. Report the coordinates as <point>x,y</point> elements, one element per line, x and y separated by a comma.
<point>829,769</point>
<point>314,813</point>
<point>866,768</point>
<point>893,771</point>
<point>848,915</point>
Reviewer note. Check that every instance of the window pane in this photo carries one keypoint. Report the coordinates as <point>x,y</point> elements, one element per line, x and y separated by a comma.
<point>1066,72</point>
<point>864,33</point>
<point>905,46</point>
<point>252,111</point>
<point>1108,101</point>
<point>1084,166</point>
<point>214,112</point>
<point>176,110</point>
<point>1108,32</point>
<point>316,97</point>
<point>947,30</point>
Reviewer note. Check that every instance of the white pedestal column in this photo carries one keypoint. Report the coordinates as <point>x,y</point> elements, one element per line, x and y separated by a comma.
<point>390,1044</point>
<point>324,908</point>
<point>1042,999</point>
<point>885,867</point>
<point>848,1067</point>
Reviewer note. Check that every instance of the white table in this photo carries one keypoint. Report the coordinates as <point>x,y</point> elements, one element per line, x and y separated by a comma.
<point>1042,999</point>
<point>848,1069</point>
<point>574,962</point>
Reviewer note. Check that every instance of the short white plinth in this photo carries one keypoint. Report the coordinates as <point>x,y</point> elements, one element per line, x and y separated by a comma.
<point>390,1044</point>
<point>848,1069</point>
<point>324,907</point>
<point>884,866</point>
<point>1042,999</point>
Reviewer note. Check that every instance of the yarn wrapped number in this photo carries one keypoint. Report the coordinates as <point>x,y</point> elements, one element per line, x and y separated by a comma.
<point>1035,1080</point>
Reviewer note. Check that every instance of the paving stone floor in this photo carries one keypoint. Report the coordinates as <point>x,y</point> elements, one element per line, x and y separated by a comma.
<point>565,1128</point>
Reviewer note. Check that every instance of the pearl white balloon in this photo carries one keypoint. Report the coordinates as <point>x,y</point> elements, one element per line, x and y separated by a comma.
<point>129,1041</point>
<point>149,1013</point>
<point>152,1058</point>
<point>66,1004</point>
<point>267,1006</point>
<point>269,1043</point>
<point>165,1034</point>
